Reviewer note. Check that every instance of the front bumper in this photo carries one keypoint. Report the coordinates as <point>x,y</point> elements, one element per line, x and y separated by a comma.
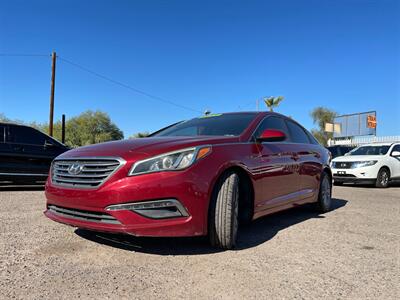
<point>366,175</point>
<point>187,187</point>
<point>131,223</point>
<point>342,179</point>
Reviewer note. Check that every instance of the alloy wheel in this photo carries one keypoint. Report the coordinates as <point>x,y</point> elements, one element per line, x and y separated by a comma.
<point>326,192</point>
<point>384,178</point>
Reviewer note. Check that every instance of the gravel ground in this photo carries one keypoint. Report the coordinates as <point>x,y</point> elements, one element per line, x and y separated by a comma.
<point>351,252</point>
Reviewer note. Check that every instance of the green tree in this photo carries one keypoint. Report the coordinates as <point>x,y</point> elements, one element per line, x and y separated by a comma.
<point>3,118</point>
<point>90,127</point>
<point>272,102</point>
<point>321,116</point>
<point>139,135</point>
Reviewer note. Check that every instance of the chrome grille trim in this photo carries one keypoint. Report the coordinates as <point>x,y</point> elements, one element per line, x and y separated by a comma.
<point>342,164</point>
<point>95,171</point>
<point>89,216</point>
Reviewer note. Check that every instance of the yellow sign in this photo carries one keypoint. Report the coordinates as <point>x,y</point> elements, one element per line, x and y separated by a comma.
<point>371,121</point>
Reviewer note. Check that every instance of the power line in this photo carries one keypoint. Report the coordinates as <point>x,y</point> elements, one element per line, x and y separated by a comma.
<point>27,55</point>
<point>136,90</point>
<point>127,86</point>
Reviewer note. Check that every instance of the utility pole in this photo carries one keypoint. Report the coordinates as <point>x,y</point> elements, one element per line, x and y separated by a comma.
<point>52,87</point>
<point>258,104</point>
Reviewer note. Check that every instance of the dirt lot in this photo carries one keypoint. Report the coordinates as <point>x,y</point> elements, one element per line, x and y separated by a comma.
<point>351,252</point>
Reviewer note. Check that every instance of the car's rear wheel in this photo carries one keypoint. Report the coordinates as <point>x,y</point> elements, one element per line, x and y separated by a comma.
<point>382,180</point>
<point>325,194</point>
<point>223,218</point>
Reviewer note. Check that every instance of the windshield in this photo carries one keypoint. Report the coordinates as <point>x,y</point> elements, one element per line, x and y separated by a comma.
<point>370,150</point>
<point>339,151</point>
<point>218,125</point>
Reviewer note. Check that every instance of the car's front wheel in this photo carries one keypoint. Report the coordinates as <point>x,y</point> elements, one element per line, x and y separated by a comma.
<point>382,180</point>
<point>223,218</point>
<point>325,194</point>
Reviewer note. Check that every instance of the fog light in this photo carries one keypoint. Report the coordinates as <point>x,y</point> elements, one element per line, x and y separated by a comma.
<point>156,209</point>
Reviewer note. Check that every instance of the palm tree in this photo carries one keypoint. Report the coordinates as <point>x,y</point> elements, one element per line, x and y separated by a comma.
<point>272,101</point>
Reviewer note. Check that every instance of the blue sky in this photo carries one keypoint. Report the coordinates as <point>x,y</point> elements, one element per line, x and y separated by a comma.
<point>217,55</point>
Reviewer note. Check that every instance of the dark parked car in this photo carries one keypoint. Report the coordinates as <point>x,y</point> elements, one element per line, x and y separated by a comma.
<point>337,150</point>
<point>26,153</point>
<point>203,176</point>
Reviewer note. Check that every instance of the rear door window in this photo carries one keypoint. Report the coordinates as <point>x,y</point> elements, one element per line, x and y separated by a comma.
<point>297,134</point>
<point>26,135</point>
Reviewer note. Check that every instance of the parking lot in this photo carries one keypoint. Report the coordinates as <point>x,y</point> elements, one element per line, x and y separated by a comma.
<point>351,252</point>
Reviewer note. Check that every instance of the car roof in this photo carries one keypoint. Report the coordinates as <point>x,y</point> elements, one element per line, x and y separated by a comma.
<point>247,112</point>
<point>378,144</point>
<point>23,125</point>
<point>337,146</point>
<point>261,114</point>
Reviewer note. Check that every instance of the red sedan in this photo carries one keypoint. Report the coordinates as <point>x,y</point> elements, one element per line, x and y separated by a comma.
<point>198,177</point>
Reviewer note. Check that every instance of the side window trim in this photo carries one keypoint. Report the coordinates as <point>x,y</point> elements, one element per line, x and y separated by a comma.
<point>7,137</point>
<point>288,135</point>
<point>253,135</point>
<point>2,133</point>
<point>313,140</point>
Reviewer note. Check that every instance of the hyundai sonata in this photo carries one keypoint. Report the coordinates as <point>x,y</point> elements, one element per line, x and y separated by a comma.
<point>199,177</point>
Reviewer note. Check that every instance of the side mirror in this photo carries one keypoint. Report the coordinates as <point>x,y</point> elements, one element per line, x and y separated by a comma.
<point>396,153</point>
<point>271,135</point>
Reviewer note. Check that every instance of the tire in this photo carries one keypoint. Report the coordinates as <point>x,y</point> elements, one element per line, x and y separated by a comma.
<point>324,202</point>
<point>223,218</point>
<point>337,183</point>
<point>383,178</point>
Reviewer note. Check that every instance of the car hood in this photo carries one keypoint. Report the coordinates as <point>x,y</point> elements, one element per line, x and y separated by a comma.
<point>145,146</point>
<point>357,158</point>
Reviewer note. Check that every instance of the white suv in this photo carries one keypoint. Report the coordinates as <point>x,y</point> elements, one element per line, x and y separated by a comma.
<point>374,163</point>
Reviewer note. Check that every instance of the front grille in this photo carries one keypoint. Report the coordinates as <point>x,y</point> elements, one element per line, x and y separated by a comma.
<point>84,172</point>
<point>344,175</point>
<point>342,165</point>
<point>84,215</point>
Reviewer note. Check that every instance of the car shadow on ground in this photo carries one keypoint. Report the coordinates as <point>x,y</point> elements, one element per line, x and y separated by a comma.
<point>249,236</point>
<point>4,187</point>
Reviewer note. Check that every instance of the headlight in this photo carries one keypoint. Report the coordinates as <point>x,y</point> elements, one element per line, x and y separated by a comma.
<point>335,165</point>
<point>360,164</point>
<point>172,161</point>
